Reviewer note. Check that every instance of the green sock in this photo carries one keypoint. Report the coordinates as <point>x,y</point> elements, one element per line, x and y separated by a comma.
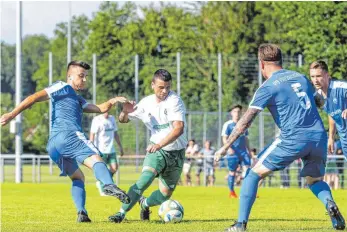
<point>135,191</point>
<point>156,198</point>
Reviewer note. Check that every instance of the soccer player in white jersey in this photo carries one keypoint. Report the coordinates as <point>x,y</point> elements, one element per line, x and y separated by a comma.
<point>163,113</point>
<point>67,143</point>
<point>102,132</point>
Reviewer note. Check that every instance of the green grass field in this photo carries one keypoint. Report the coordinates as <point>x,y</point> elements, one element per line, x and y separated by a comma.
<point>49,207</point>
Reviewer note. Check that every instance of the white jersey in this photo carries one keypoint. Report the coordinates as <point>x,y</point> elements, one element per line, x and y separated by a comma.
<point>158,118</point>
<point>104,129</point>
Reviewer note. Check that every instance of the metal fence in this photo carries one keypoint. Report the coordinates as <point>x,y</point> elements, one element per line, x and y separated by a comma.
<point>39,168</point>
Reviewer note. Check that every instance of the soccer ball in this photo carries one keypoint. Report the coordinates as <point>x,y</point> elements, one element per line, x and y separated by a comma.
<point>171,211</point>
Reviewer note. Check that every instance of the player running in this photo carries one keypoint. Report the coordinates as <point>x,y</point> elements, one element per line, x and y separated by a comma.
<point>164,114</point>
<point>335,94</point>
<point>67,143</point>
<point>289,97</point>
<point>238,152</point>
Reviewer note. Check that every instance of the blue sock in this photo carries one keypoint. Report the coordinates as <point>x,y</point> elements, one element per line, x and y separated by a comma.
<point>79,195</point>
<point>102,173</point>
<point>321,190</point>
<point>231,180</point>
<point>247,195</point>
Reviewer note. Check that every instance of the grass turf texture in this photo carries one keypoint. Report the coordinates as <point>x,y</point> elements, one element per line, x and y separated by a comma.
<point>49,207</point>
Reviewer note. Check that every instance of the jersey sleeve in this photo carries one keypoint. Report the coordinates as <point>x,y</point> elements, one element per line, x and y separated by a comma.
<point>224,129</point>
<point>83,102</point>
<point>176,112</point>
<point>229,130</point>
<point>94,128</point>
<point>261,98</point>
<point>55,87</point>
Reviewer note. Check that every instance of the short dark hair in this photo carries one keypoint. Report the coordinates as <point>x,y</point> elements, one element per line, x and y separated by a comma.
<point>270,53</point>
<point>81,64</point>
<point>254,150</point>
<point>235,106</point>
<point>319,64</point>
<point>162,74</point>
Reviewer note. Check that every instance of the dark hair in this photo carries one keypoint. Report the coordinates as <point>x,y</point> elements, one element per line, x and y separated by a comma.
<point>270,53</point>
<point>192,140</point>
<point>319,64</point>
<point>236,106</point>
<point>79,64</point>
<point>254,150</point>
<point>162,74</point>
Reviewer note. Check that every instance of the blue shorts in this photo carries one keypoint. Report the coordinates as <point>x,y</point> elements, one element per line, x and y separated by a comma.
<point>66,148</point>
<point>281,153</point>
<point>238,158</point>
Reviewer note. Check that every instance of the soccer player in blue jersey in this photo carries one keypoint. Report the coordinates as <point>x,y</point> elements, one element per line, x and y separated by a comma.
<point>67,143</point>
<point>289,96</point>
<point>239,152</point>
<point>335,94</point>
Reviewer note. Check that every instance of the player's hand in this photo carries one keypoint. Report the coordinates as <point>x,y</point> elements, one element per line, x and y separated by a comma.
<point>153,148</point>
<point>344,114</point>
<point>219,154</point>
<point>6,118</point>
<point>129,107</point>
<point>121,151</point>
<point>118,99</point>
<point>331,147</point>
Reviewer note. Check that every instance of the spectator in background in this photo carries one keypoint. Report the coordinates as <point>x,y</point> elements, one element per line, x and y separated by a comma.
<point>340,163</point>
<point>331,173</point>
<point>206,153</point>
<point>191,151</point>
<point>285,178</point>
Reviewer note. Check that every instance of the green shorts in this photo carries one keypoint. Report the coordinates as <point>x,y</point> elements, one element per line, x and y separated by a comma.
<point>168,165</point>
<point>109,158</point>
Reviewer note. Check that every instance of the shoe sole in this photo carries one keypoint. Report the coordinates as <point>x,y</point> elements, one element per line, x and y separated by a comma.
<point>122,196</point>
<point>335,213</point>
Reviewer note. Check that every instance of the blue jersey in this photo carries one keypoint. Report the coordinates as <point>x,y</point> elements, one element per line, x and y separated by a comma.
<point>289,96</point>
<point>335,104</point>
<point>240,145</point>
<point>67,107</point>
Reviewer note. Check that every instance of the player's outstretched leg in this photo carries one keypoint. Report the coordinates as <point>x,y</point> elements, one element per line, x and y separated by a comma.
<point>102,173</point>
<point>247,197</point>
<point>135,192</point>
<point>322,191</point>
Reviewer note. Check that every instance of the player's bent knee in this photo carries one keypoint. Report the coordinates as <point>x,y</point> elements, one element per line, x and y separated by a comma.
<point>311,180</point>
<point>77,175</point>
<point>92,160</point>
<point>231,173</point>
<point>150,169</point>
<point>261,170</point>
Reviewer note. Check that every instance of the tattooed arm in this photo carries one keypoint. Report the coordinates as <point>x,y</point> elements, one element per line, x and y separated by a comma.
<point>239,129</point>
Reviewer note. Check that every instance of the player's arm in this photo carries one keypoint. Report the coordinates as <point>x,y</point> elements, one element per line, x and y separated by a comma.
<point>25,104</point>
<point>104,107</point>
<point>178,129</point>
<point>116,137</point>
<point>242,125</point>
<point>332,132</point>
<point>91,136</point>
